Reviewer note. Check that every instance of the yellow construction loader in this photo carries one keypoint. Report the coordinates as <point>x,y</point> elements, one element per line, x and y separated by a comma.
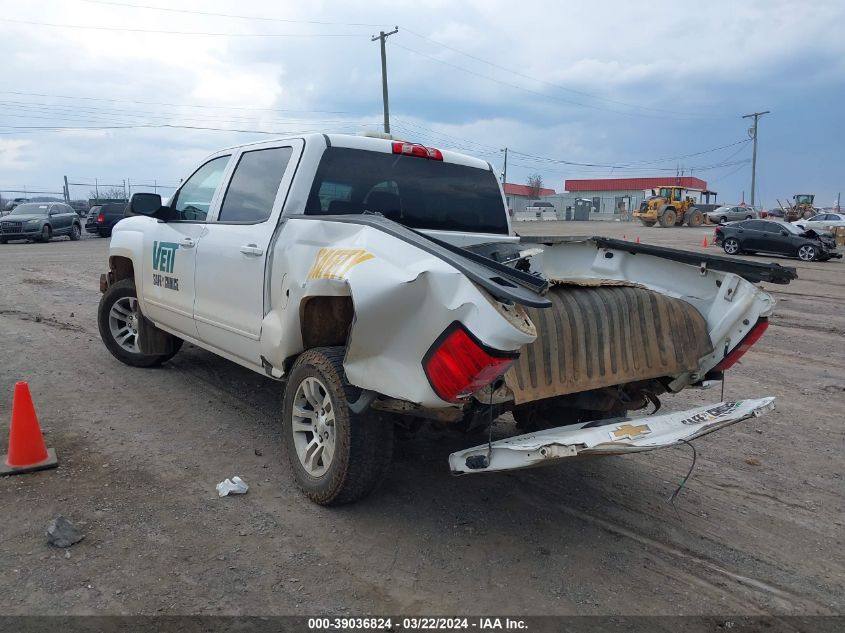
<point>801,207</point>
<point>670,206</point>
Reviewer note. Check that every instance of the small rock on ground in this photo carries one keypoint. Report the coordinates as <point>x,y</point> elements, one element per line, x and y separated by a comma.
<point>63,533</point>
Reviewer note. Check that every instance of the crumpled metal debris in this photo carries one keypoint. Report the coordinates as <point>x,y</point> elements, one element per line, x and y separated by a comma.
<point>235,486</point>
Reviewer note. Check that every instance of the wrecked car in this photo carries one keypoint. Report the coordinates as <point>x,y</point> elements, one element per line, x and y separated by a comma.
<point>380,282</point>
<point>778,238</point>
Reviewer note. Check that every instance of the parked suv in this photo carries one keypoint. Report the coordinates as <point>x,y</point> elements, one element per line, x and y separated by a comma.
<point>40,221</point>
<point>102,218</point>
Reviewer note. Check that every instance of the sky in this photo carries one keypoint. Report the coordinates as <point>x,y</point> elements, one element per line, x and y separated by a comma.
<point>142,90</point>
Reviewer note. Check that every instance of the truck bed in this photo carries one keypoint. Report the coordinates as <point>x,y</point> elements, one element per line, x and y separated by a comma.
<point>599,336</point>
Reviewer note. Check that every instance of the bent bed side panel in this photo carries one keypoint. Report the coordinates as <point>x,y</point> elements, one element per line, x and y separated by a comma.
<point>599,336</point>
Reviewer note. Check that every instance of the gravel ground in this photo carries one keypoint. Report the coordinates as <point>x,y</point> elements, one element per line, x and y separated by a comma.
<point>758,530</point>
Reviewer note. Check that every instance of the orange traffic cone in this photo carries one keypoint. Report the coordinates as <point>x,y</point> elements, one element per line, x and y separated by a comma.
<point>638,239</point>
<point>27,451</point>
<point>624,237</point>
<point>704,244</point>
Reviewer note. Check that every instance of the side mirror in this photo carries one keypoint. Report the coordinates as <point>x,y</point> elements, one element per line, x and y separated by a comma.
<point>144,203</point>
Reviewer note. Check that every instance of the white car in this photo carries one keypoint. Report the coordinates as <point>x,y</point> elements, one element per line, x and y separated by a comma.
<point>821,222</point>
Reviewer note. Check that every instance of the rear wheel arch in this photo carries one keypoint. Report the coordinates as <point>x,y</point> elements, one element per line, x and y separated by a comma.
<point>325,321</point>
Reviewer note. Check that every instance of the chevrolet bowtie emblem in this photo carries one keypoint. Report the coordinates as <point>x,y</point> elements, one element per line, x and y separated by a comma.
<point>627,431</point>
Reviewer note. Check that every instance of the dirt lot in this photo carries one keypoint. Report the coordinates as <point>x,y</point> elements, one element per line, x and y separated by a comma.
<point>758,530</point>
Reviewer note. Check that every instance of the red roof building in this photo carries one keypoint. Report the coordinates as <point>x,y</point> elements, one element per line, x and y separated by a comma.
<point>632,184</point>
<point>525,190</point>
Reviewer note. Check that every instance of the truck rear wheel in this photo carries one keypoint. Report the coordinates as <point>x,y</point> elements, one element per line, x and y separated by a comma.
<point>336,456</point>
<point>118,319</point>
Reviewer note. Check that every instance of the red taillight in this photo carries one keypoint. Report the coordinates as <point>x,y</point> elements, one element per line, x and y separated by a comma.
<point>415,149</point>
<point>458,364</point>
<point>744,345</point>
<point>101,218</point>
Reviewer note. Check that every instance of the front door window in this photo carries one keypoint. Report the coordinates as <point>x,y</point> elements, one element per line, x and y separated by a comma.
<point>193,200</point>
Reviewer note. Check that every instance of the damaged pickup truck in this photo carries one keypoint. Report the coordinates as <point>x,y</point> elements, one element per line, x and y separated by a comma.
<point>381,282</point>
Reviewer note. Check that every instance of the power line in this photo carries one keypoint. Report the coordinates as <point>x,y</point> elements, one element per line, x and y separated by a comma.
<point>528,90</point>
<point>48,128</point>
<point>549,83</point>
<point>175,105</point>
<point>162,32</point>
<point>127,5</point>
<point>24,110</point>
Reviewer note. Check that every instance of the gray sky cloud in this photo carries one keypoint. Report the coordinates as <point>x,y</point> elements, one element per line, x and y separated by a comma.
<point>606,82</point>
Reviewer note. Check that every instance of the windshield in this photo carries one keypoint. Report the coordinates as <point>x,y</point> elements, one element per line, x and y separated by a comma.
<point>417,192</point>
<point>30,208</point>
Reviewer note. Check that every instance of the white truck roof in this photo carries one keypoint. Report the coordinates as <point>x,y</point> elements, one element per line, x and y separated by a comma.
<point>371,144</point>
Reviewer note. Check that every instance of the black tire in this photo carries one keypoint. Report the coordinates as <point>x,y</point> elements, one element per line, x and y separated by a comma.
<point>75,232</point>
<point>723,219</point>
<point>46,233</point>
<point>694,217</point>
<point>4,240</point>
<point>749,217</point>
<point>363,443</point>
<point>125,288</point>
<point>668,218</point>
<point>732,246</point>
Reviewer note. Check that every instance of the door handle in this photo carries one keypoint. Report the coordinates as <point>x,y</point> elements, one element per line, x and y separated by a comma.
<point>252,249</point>
<point>187,243</point>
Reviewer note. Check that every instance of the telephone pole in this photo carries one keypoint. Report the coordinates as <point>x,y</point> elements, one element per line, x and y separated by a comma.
<point>755,116</point>
<point>505,168</point>
<point>382,36</point>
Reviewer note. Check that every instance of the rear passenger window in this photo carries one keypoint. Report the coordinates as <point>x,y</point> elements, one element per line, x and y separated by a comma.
<point>253,188</point>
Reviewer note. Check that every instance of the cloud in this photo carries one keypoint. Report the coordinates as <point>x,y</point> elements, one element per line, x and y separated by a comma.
<point>12,154</point>
<point>608,82</point>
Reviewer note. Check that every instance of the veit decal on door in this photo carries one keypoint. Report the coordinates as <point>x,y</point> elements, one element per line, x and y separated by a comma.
<point>164,258</point>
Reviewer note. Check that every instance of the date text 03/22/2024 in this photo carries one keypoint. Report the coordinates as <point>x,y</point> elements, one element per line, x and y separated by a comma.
<point>417,624</point>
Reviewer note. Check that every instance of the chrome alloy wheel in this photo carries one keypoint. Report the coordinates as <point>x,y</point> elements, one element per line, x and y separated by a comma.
<point>313,426</point>
<point>806,253</point>
<point>731,246</point>
<point>124,319</point>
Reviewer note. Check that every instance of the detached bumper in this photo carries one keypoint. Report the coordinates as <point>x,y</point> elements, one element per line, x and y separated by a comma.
<point>612,437</point>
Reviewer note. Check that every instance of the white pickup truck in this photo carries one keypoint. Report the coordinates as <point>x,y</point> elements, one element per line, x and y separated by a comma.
<point>380,281</point>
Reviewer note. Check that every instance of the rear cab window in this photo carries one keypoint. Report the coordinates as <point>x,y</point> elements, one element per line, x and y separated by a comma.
<point>417,192</point>
<point>253,187</point>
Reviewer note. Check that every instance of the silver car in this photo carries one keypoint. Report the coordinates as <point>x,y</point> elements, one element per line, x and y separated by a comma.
<point>731,213</point>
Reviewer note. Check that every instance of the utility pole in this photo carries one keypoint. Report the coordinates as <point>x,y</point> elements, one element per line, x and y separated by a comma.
<point>838,195</point>
<point>505,168</point>
<point>382,36</point>
<point>755,116</point>
<point>67,191</point>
